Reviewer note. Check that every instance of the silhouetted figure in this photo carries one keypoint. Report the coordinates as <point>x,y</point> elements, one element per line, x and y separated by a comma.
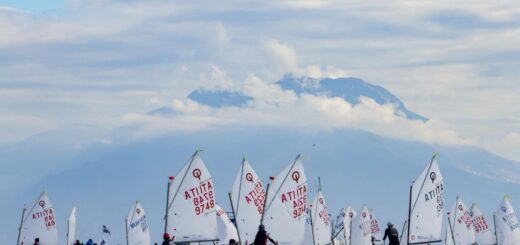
<point>166,239</point>
<point>37,241</point>
<point>392,234</point>
<point>232,242</point>
<point>262,237</point>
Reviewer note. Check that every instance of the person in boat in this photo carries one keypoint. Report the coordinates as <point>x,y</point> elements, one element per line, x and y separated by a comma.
<point>166,239</point>
<point>262,237</point>
<point>392,234</point>
<point>232,242</point>
<point>77,242</point>
<point>37,241</point>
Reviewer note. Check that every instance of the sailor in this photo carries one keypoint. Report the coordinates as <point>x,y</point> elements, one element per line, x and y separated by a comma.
<point>90,242</point>
<point>166,239</point>
<point>392,234</point>
<point>262,237</point>
<point>232,242</point>
<point>37,241</point>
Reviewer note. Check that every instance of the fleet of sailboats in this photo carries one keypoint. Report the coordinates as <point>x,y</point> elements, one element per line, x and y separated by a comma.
<point>193,216</point>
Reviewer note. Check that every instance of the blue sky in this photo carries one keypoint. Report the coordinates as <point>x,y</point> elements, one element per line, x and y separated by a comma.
<point>99,63</point>
<point>36,7</point>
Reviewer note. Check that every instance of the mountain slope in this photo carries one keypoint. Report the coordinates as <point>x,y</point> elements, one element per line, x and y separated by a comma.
<point>356,167</point>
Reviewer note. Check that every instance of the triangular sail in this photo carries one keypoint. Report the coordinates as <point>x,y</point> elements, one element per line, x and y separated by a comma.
<point>226,228</point>
<point>247,197</point>
<point>39,222</point>
<point>427,202</point>
<point>483,232</point>
<point>320,220</point>
<point>461,225</point>
<point>347,221</point>
<point>71,229</point>
<point>507,227</point>
<point>361,228</point>
<point>137,226</point>
<point>375,228</point>
<point>286,205</point>
<point>191,208</point>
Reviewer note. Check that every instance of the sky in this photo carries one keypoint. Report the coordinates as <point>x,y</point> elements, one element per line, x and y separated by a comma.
<point>105,64</point>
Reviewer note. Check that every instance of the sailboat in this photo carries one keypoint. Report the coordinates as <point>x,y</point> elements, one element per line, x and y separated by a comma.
<point>460,226</point>
<point>137,232</point>
<point>320,221</point>
<point>344,232</point>
<point>286,203</point>
<point>375,228</point>
<point>361,233</point>
<point>506,224</point>
<point>226,228</point>
<point>483,233</point>
<point>191,209</point>
<point>39,222</point>
<point>426,205</point>
<point>247,201</point>
<point>71,227</point>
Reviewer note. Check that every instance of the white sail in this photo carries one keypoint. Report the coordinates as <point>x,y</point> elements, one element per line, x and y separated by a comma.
<point>191,206</point>
<point>226,228</point>
<point>71,229</point>
<point>247,197</point>
<point>449,236</point>
<point>427,204</point>
<point>321,226</point>
<point>462,229</point>
<point>361,233</point>
<point>375,228</point>
<point>39,222</point>
<point>286,205</point>
<point>137,226</point>
<point>350,213</point>
<point>483,232</point>
<point>507,228</point>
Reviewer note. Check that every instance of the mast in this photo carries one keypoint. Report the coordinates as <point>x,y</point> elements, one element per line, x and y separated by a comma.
<point>451,228</point>
<point>312,226</point>
<point>126,229</point>
<point>68,231</point>
<point>170,179</point>
<point>409,216</point>
<point>495,226</point>
<point>234,215</point>
<point>238,199</point>
<point>271,178</point>
<point>20,228</point>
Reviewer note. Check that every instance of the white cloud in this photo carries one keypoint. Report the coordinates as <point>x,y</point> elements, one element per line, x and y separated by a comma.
<point>273,106</point>
<point>282,55</point>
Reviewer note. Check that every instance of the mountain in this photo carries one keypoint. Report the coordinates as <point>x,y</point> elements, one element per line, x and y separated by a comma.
<point>103,172</point>
<point>356,168</point>
<point>350,89</point>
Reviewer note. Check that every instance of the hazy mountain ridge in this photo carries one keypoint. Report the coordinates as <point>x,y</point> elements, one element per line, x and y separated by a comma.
<point>356,167</point>
<point>349,89</point>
